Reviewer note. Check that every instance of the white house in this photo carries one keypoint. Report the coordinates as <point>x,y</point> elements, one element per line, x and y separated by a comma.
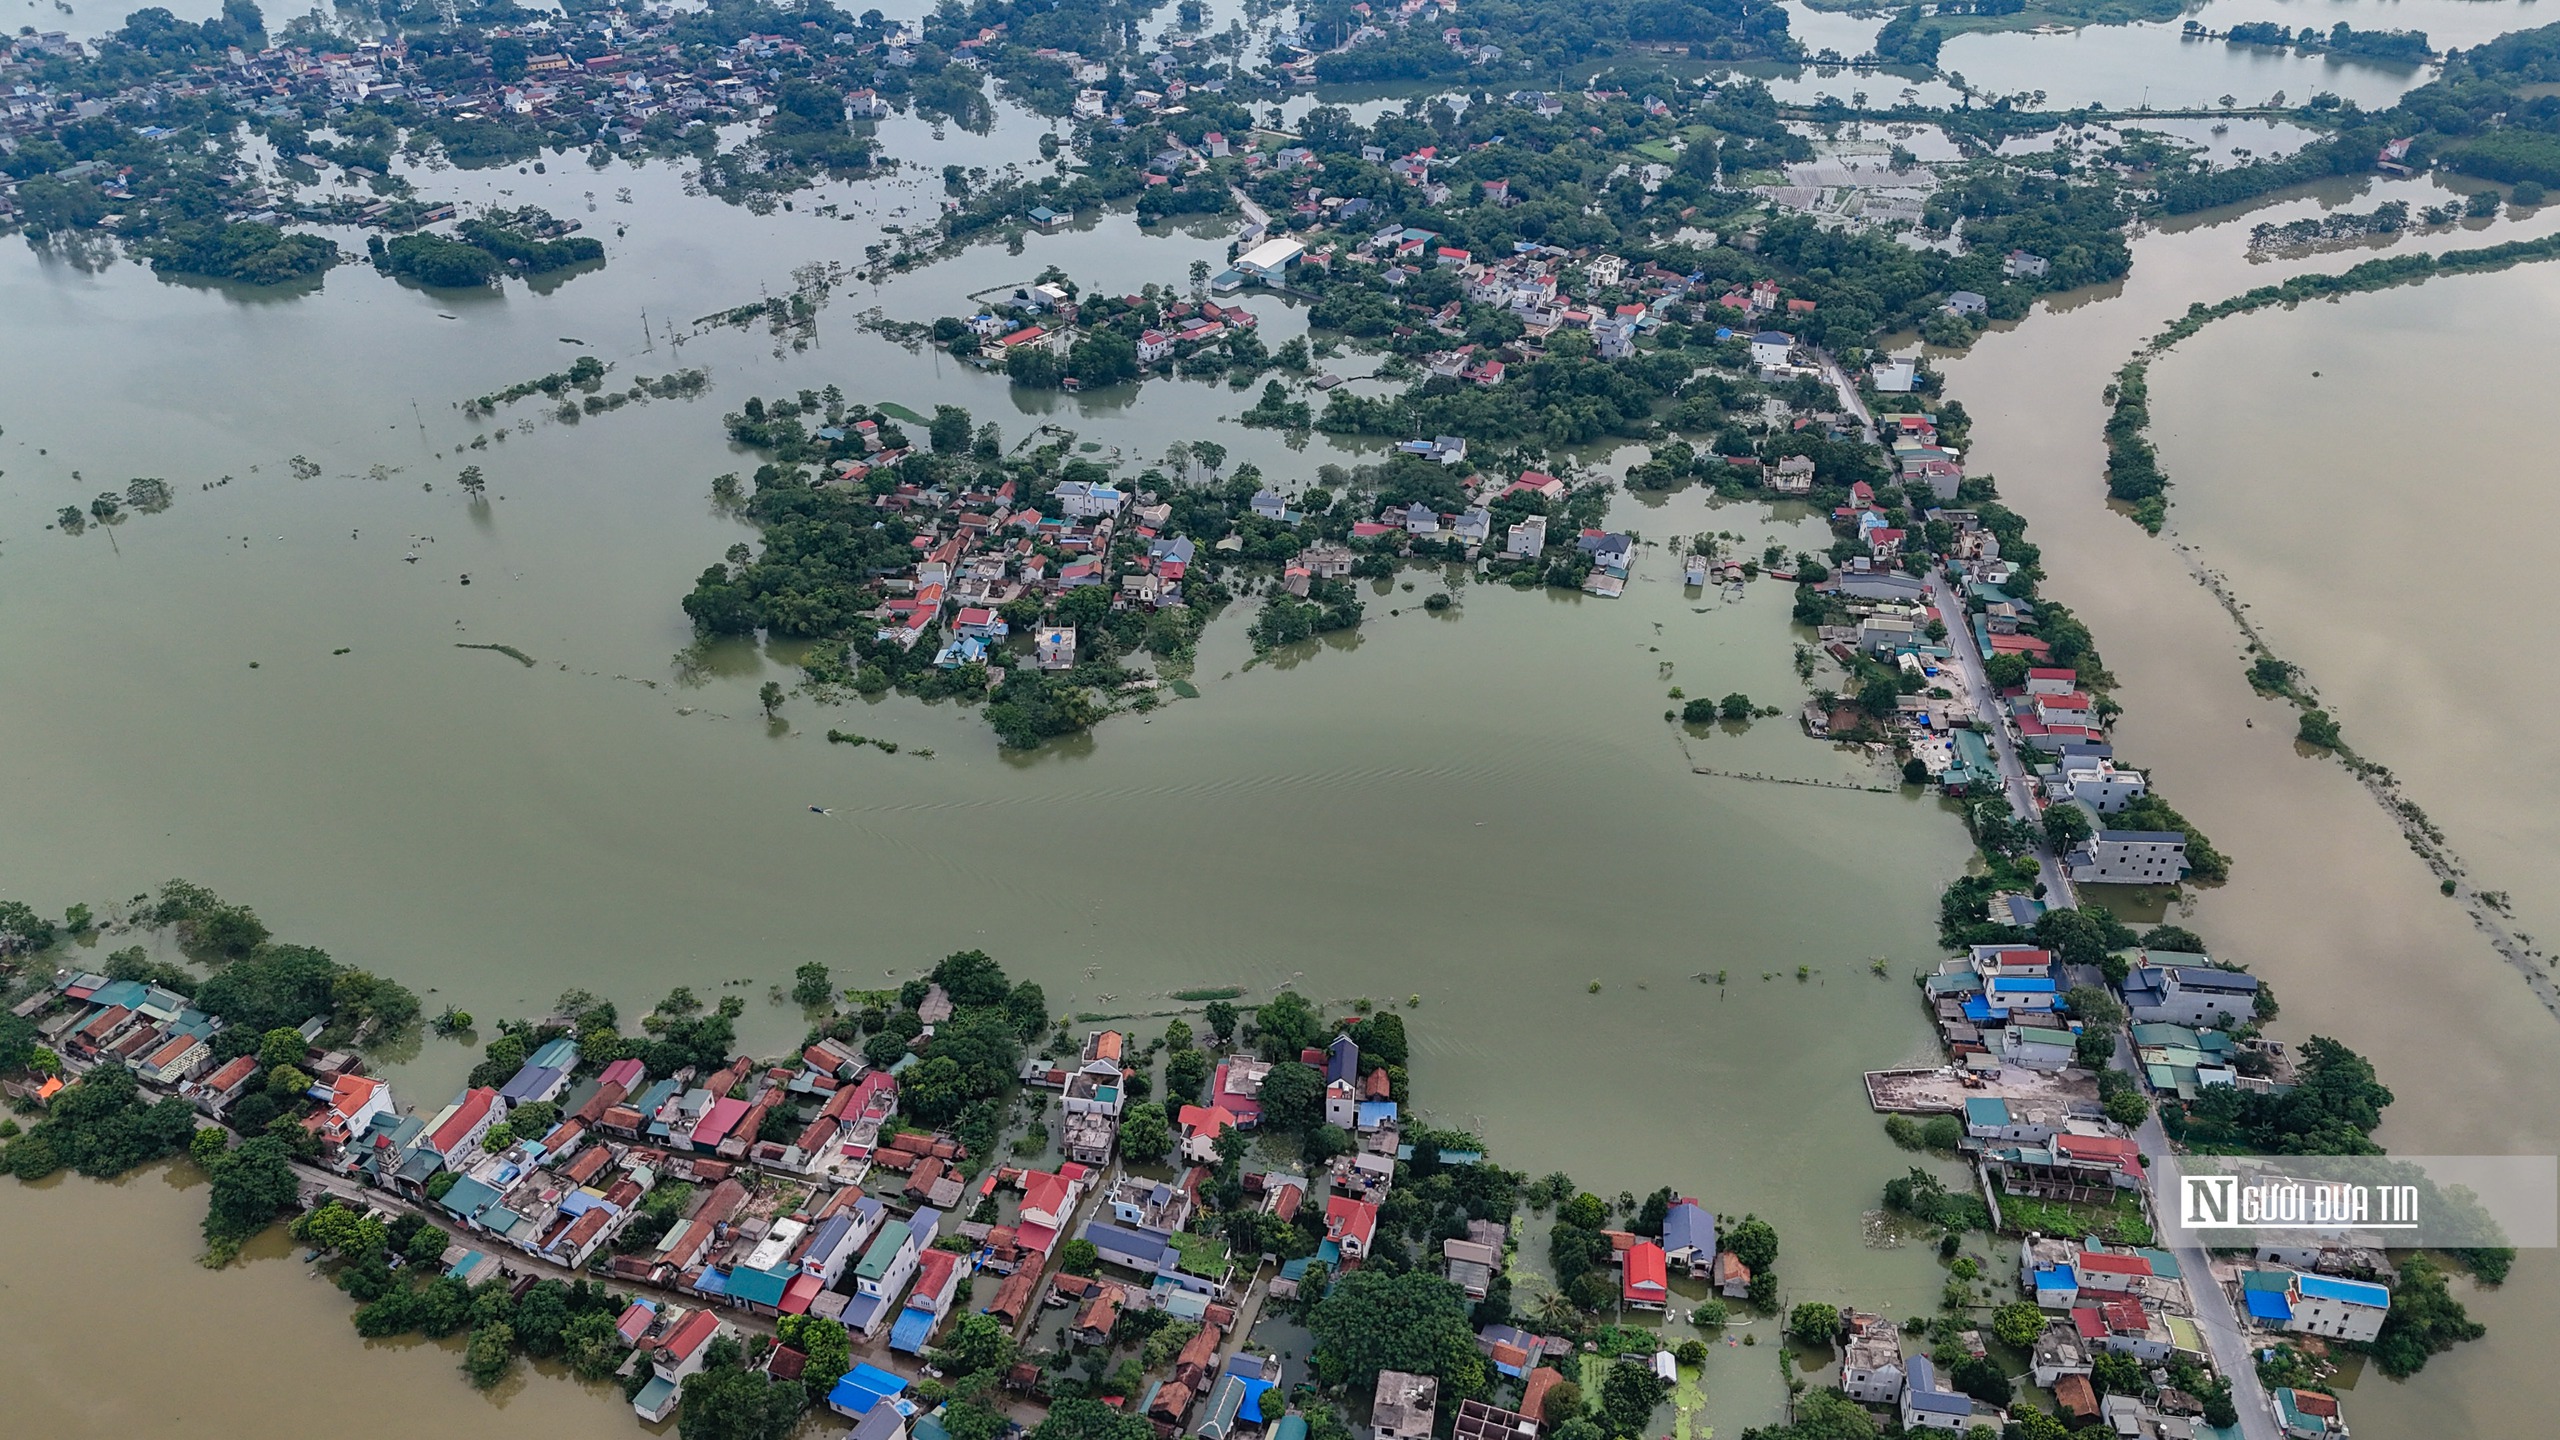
<point>1528,539</point>
<point>2098,784</point>
<point>2337,1309</point>
<point>1871,1370</point>
<point>2130,857</point>
<point>1771,347</point>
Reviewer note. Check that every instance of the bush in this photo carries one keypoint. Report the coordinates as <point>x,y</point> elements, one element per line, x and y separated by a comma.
<point>1904,1131</point>
<point>1698,711</point>
<point>1814,1323</point>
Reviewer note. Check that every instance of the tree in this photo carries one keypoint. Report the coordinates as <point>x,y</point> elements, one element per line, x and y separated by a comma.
<point>2114,1373</point>
<point>1736,706</point>
<point>473,483</point>
<point>1293,1097</point>
<point>1145,1135</point>
<point>1584,1211</point>
<point>728,1402</point>
<point>1815,1323</point>
<point>251,1183</point>
<point>2065,825</point>
<point>950,429</point>
<point>981,1343</point>
<point>2176,938</point>
<point>1372,1320</point>
<point>1078,1257</point>
<point>1879,697</point>
<point>1185,1073</point>
<point>770,696</point>
<point>1630,1393</point>
<point>1754,1242</point>
<point>935,1091</point>
<point>281,1046</point>
<point>811,984</point>
<point>828,1345</point>
<point>1287,1025</point>
<point>2318,727</point>
<point>490,1355</point>
<point>1563,1402</point>
<point>1083,1419</point>
<point>2017,1324</point>
<point>1980,1379</point>
<point>1221,1018</point>
<point>972,979</point>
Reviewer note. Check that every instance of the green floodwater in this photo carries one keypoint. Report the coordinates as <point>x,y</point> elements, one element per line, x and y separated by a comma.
<point>1483,809</point>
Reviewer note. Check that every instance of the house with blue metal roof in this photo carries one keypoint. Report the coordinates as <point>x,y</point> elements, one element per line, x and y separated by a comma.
<point>2338,1309</point>
<point>863,1389</point>
<point>1926,1407</point>
<point>2056,1286</point>
<point>1342,1060</point>
<point>1689,1236</point>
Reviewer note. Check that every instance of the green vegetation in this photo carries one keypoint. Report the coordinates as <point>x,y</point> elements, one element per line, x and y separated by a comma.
<point>2133,467</point>
<point>1925,1197</point>
<point>1371,1320</point>
<point>483,249</point>
<point>2335,1104</point>
<point>2425,1320</point>
<point>243,251</point>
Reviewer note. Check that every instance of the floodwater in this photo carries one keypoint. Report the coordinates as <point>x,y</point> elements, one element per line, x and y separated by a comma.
<point>1482,813</point>
<point>114,1329</point>
<point>2126,67</point>
<point>2325,900</point>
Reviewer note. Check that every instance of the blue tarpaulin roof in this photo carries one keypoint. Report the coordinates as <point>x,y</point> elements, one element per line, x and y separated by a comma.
<point>2268,1305</point>
<point>863,1387</point>
<point>2353,1292</point>
<point>908,1335</point>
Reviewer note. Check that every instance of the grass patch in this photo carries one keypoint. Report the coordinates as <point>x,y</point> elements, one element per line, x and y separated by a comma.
<point>896,411</point>
<point>2119,1224</point>
<point>1214,992</point>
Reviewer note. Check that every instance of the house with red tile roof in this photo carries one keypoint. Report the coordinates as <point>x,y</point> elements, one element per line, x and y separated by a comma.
<point>1351,1225</point>
<point>353,1102</point>
<point>455,1134</point>
<point>1201,1126</point>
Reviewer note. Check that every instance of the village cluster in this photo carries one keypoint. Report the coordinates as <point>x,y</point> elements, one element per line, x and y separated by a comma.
<point>804,1194</point>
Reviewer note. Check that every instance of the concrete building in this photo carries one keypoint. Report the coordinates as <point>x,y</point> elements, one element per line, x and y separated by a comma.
<point>2196,995</point>
<point>1404,1406</point>
<point>2129,857</point>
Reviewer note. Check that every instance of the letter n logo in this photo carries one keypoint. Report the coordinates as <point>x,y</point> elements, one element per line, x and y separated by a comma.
<point>2208,1200</point>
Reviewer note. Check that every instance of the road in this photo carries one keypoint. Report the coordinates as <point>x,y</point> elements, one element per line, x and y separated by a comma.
<point>1850,400</point>
<point>2014,778</point>
<point>2214,1317</point>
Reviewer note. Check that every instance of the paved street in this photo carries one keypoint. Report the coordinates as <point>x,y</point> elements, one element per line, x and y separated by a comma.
<point>2213,1313</point>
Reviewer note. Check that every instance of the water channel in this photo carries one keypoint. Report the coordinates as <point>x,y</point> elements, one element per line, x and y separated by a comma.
<point>2325,902</point>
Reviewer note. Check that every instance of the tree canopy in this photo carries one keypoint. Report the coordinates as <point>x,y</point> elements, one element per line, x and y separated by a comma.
<point>1372,1321</point>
